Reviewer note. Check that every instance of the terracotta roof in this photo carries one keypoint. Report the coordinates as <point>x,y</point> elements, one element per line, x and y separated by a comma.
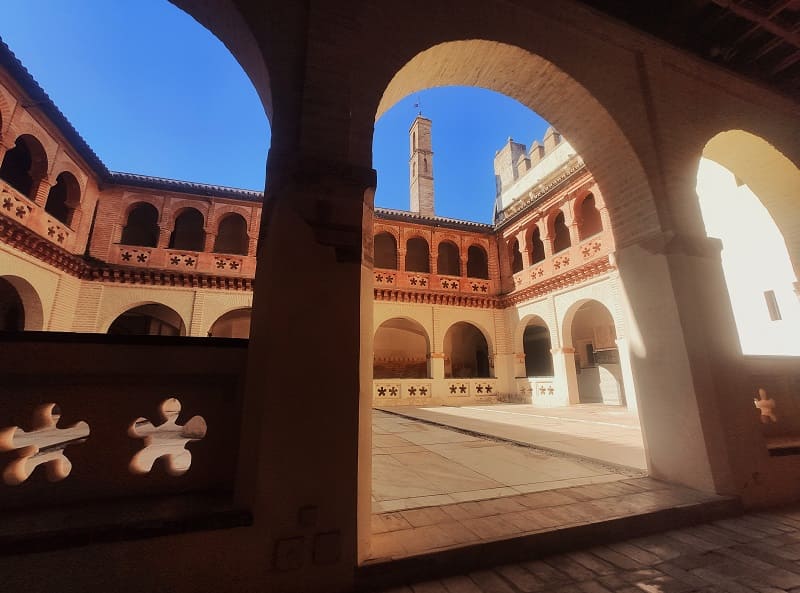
<point>203,189</point>
<point>439,221</point>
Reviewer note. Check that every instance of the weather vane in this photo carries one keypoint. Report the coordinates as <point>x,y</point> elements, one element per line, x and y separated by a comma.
<point>418,105</point>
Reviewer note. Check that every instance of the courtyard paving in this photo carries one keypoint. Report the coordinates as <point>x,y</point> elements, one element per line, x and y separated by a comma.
<point>418,464</point>
<point>608,434</point>
<point>753,553</point>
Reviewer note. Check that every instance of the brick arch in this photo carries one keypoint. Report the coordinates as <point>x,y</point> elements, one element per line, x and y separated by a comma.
<point>178,207</point>
<point>66,166</point>
<point>568,316</point>
<point>48,146</point>
<point>5,112</point>
<point>216,217</point>
<point>380,228</point>
<point>131,201</point>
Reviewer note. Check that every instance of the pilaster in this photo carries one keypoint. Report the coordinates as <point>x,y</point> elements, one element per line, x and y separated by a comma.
<point>306,450</point>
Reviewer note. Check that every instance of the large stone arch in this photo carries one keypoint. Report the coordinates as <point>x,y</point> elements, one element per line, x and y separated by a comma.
<point>542,86</point>
<point>772,177</point>
<point>409,355</point>
<point>135,304</point>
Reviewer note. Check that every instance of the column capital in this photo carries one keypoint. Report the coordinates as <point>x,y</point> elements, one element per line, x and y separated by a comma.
<point>672,243</point>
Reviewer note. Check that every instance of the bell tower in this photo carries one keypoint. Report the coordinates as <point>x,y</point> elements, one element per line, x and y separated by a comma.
<point>421,166</point>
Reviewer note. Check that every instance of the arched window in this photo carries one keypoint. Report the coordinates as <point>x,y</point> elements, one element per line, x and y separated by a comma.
<point>24,165</point>
<point>561,238</point>
<point>536,345</point>
<point>188,233</point>
<point>537,246</point>
<point>234,324</point>
<point>448,262</point>
<point>477,262</point>
<point>385,251</point>
<point>12,311</point>
<point>591,223</point>
<point>64,197</point>
<point>400,350</point>
<point>148,320</point>
<point>417,255</point>
<point>516,257</point>
<point>232,235</point>
<point>141,228</point>
<point>466,352</point>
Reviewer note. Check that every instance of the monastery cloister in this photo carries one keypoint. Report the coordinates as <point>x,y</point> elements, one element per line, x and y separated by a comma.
<point>124,298</point>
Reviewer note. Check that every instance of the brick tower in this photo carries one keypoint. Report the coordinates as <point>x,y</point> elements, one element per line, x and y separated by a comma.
<point>421,166</point>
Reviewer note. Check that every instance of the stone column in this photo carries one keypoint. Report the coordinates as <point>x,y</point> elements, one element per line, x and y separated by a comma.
<point>686,363</point>
<point>565,377</point>
<point>437,365</point>
<point>524,249</point>
<point>305,465</point>
<point>627,374</point>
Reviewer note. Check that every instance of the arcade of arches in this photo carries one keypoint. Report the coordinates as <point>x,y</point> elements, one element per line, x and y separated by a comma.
<point>606,257</point>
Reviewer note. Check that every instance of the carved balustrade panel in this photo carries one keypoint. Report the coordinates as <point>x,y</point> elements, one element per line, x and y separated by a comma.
<point>109,418</point>
<point>23,211</point>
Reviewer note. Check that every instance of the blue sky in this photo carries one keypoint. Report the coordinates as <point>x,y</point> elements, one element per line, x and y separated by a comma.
<point>153,92</point>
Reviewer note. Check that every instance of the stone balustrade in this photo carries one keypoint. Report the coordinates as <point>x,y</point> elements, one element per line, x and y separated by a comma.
<point>183,261</point>
<point>24,211</point>
<point>540,391</point>
<point>404,280</point>
<point>417,392</point>
<point>567,260</point>
<point>113,417</point>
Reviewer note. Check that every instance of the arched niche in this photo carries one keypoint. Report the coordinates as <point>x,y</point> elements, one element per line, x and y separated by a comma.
<point>231,235</point>
<point>590,330</point>
<point>385,247</point>
<point>536,246</point>
<point>141,226</point>
<point>188,233</point>
<point>448,259</point>
<point>152,319</point>
<point>561,238</point>
<point>418,255</point>
<point>477,262</point>
<point>64,197</point>
<point>233,324</point>
<point>515,256</point>
<point>537,347</point>
<point>25,165</point>
<point>401,349</point>
<point>466,352</point>
<point>590,222</point>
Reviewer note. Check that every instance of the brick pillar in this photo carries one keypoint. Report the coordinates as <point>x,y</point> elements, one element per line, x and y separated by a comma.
<point>547,240</point>
<point>252,244</point>
<point>211,238</point>
<point>401,258</point>
<point>164,233</point>
<point>463,263</point>
<point>40,192</point>
<point>437,365</point>
<point>314,272</point>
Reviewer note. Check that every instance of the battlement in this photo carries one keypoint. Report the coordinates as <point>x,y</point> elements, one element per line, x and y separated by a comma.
<point>517,168</point>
